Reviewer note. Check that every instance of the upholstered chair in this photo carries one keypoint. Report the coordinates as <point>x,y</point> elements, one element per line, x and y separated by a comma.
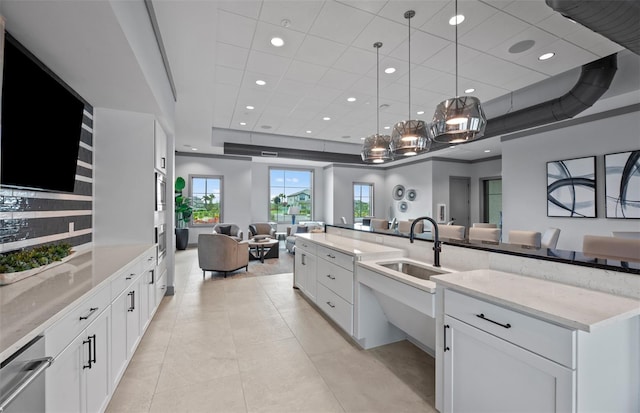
<point>221,253</point>
<point>379,224</point>
<point>405,227</point>
<point>611,248</point>
<point>484,235</point>
<point>527,239</point>
<point>483,225</point>
<point>292,231</point>
<point>455,232</point>
<point>231,230</point>
<point>261,228</point>
<point>550,238</point>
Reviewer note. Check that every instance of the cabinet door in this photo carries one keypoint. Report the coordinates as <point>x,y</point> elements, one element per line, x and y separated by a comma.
<point>63,379</point>
<point>97,374</point>
<point>133,318</point>
<point>300,269</point>
<point>146,289</point>
<point>118,340</point>
<point>483,373</point>
<point>306,273</point>
<point>160,144</point>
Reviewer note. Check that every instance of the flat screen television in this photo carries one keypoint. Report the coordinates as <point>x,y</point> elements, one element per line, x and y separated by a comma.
<point>41,124</point>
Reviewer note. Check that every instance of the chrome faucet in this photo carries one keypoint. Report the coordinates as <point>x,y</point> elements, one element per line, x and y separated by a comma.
<point>436,238</point>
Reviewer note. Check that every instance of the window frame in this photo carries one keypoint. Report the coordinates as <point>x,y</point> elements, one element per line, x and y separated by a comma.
<point>221,202</point>
<point>371,186</point>
<point>311,190</point>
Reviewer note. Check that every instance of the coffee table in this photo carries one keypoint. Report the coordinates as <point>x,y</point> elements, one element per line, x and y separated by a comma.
<point>267,248</point>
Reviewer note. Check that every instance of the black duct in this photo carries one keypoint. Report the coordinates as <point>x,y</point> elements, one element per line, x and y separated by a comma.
<point>273,152</point>
<point>594,81</point>
<point>618,21</point>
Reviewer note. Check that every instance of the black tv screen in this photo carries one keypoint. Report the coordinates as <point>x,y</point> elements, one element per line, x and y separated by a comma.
<point>41,124</point>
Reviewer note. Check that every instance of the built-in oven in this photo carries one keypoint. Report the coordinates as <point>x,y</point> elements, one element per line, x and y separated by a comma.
<point>22,383</point>
<point>161,240</point>
<point>161,192</point>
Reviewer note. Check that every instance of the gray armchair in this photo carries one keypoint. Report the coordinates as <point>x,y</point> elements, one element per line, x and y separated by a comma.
<point>261,228</point>
<point>221,253</point>
<point>231,230</point>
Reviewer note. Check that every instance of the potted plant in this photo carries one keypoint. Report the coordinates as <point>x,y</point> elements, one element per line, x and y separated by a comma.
<point>183,211</point>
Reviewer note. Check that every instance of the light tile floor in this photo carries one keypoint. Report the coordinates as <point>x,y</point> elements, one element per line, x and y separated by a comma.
<point>253,344</point>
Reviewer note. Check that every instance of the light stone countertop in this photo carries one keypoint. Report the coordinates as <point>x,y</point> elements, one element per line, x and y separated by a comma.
<point>31,305</point>
<point>572,307</point>
<point>357,248</point>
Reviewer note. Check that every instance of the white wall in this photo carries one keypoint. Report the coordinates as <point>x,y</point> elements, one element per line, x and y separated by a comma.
<point>524,176</point>
<point>418,176</point>
<point>342,191</point>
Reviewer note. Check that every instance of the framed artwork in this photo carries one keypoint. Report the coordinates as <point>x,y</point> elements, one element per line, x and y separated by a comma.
<point>622,184</point>
<point>571,188</point>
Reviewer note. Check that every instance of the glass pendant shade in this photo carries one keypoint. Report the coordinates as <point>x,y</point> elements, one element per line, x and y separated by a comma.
<point>409,138</point>
<point>459,119</point>
<point>376,149</point>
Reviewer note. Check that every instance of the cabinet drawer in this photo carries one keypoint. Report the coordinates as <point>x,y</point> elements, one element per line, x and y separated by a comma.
<point>337,308</point>
<point>304,244</point>
<point>338,258</point>
<point>336,278</point>
<point>148,260</point>
<point>59,335</point>
<point>125,277</point>
<point>548,340</point>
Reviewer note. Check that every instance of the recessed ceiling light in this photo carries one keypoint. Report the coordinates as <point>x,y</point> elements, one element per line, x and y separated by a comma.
<point>250,107</point>
<point>420,112</point>
<point>265,127</point>
<point>194,149</point>
<point>351,99</point>
<point>346,137</point>
<point>390,70</point>
<point>277,41</point>
<point>326,118</point>
<point>308,131</point>
<point>387,127</point>
<point>487,150</point>
<point>243,123</point>
<point>452,146</point>
<point>546,56</point>
<point>455,20</point>
<point>470,90</point>
<point>362,139</point>
<point>261,82</point>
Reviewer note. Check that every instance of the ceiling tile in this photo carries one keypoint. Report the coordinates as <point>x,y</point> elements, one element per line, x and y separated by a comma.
<point>530,11</point>
<point>247,8</point>
<point>338,79</point>
<point>340,23</point>
<point>372,6</point>
<point>492,32</point>
<point>235,30</point>
<point>320,51</point>
<point>475,13</point>
<point>593,42</point>
<point>390,33</point>
<point>541,38</point>
<point>423,47</point>
<point>267,63</point>
<point>356,60</point>
<point>305,72</point>
<point>290,87</point>
<point>567,57</point>
<point>265,32</point>
<point>424,11</point>
<point>228,76</point>
<point>231,56</point>
<point>300,14</point>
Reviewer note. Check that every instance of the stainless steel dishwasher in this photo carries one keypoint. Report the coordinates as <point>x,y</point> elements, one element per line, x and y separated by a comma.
<point>22,384</point>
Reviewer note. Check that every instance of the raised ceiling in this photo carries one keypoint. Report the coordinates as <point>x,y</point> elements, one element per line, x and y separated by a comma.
<point>218,49</point>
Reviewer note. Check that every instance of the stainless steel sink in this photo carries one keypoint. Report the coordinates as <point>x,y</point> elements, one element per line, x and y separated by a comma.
<point>413,270</point>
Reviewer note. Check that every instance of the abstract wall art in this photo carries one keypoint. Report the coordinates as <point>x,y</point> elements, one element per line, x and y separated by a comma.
<point>622,184</point>
<point>571,188</point>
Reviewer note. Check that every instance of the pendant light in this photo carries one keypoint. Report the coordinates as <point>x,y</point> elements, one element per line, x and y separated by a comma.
<point>459,119</point>
<point>410,137</point>
<point>376,147</point>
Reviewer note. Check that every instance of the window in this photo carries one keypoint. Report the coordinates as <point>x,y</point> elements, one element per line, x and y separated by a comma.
<point>290,188</point>
<point>492,202</point>
<point>362,201</point>
<point>206,197</point>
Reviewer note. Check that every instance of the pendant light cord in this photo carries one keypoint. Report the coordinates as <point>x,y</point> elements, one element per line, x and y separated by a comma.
<point>409,45</point>
<point>377,46</point>
<point>456,24</point>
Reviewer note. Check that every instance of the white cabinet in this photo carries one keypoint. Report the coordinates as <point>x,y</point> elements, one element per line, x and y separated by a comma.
<point>78,380</point>
<point>497,359</point>
<point>160,146</point>
<point>125,327</point>
<point>305,268</point>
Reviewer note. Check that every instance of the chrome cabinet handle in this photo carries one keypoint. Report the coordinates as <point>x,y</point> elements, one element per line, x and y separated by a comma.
<point>330,304</point>
<point>39,366</point>
<point>481,315</point>
<point>132,303</point>
<point>91,311</point>
<point>330,277</point>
